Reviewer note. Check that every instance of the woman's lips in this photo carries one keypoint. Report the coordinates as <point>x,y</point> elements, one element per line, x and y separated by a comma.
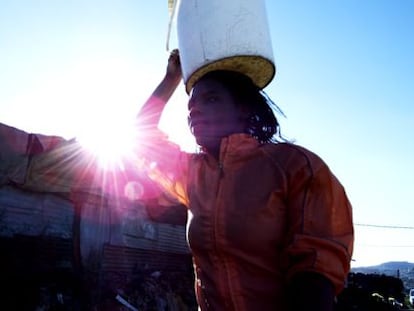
<point>197,122</point>
<point>199,127</point>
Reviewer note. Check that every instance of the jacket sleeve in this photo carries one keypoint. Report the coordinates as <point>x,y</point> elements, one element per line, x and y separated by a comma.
<point>320,228</point>
<point>166,164</point>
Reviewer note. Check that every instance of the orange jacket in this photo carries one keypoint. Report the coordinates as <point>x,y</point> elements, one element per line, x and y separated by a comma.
<point>258,217</point>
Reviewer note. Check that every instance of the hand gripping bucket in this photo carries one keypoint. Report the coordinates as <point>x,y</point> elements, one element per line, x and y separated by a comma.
<point>224,35</point>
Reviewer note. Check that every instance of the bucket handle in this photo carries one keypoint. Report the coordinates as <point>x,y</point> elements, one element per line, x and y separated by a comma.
<point>172,4</point>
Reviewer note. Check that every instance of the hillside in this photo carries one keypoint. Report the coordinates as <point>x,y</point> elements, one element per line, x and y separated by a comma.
<point>401,269</point>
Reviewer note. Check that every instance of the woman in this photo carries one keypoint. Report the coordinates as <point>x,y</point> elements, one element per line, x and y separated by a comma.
<point>269,226</point>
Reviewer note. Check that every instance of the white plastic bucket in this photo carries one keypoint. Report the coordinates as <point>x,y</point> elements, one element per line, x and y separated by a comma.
<point>224,35</point>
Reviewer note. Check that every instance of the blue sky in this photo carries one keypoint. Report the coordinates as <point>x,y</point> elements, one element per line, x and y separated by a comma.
<point>344,79</point>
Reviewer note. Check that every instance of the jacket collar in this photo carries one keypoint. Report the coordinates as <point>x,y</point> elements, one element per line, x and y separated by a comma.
<point>234,144</point>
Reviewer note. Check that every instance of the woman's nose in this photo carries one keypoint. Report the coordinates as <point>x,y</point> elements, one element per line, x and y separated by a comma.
<point>194,114</point>
<point>191,104</point>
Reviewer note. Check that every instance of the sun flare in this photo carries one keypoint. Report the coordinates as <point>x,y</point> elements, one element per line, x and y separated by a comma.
<point>106,102</point>
<point>110,141</point>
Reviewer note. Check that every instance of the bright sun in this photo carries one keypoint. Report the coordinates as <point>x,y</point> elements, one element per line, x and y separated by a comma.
<point>110,140</point>
<point>106,104</point>
<point>106,108</point>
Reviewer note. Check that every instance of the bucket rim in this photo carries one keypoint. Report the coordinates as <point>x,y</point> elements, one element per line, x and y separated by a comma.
<point>260,69</point>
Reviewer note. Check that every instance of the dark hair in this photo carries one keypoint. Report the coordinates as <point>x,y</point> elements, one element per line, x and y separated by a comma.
<point>262,123</point>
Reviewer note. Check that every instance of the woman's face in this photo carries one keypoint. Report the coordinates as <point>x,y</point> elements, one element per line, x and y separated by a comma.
<point>213,114</point>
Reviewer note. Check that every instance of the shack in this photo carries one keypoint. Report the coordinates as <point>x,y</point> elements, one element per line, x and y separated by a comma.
<point>67,223</point>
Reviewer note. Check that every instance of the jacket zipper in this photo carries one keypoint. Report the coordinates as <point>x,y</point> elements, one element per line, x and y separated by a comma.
<point>220,167</point>
<point>223,283</point>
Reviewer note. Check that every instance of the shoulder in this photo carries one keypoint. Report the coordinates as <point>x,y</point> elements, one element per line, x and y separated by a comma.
<point>289,152</point>
<point>297,161</point>
<point>300,165</point>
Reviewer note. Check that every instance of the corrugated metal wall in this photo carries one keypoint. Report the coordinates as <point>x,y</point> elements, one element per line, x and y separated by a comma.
<point>118,223</point>
<point>126,260</point>
<point>126,224</point>
<point>34,214</point>
<point>158,237</point>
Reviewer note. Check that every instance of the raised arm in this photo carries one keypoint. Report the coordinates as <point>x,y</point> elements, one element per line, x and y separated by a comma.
<point>150,113</point>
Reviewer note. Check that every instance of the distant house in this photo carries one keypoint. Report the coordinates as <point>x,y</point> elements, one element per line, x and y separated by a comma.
<point>60,211</point>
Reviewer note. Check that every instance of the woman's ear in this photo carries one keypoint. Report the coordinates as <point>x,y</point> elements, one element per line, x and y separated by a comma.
<point>245,113</point>
<point>248,118</point>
